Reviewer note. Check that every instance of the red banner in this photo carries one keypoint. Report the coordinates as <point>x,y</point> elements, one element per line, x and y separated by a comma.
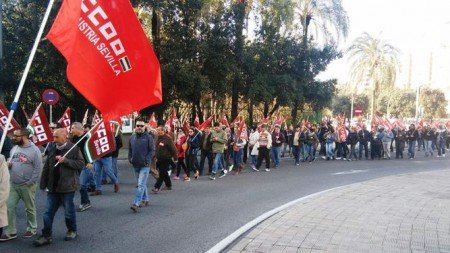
<point>4,118</point>
<point>42,134</point>
<point>110,60</point>
<point>100,142</point>
<point>197,122</point>
<point>224,120</point>
<point>206,123</point>
<point>342,134</point>
<point>64,121</point>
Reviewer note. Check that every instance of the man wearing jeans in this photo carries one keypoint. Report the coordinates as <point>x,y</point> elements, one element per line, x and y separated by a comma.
<point>60,176</point>
<point>86,175</point>
<point>24,169</point>
<point>277,143</point>
<point>104,165</point>
<point>140,153</point>
<point>218,139</point>
<point>411,136</point>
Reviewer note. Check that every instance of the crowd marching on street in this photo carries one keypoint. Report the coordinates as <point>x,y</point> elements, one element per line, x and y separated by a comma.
<point>65,166</point>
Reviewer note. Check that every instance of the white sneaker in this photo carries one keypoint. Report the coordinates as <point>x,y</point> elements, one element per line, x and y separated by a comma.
<point>231,167</point>
<point>267,170</point>
<point>169,172</point>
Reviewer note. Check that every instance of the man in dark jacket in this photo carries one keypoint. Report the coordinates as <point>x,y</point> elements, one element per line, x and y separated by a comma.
<point>140,154</point>
<point>206,151</point>
<point>364,137</point>
<point>61,177</point>
<point>165,151</point>
<point>411,137</point>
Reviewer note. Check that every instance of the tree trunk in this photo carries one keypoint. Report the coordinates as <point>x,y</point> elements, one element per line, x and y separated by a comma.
<point>234,98</point>
<point>239,13</point>
<point>250,112</point>
<point>266,109</point>
<point>199,110</point>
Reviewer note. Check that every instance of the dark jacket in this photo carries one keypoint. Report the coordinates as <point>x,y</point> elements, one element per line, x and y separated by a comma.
<point>119,145</point>
<point>141,150</point>
<point>429,135</point>
<point>412,135</point>
<point>275,139</point>
<point>7,146</point>
<point>165,149</point>
<point>194,143</point>
<point>69,179</point>
<point>352,138</point>
<point>364,136</point>
<point>206,143</point>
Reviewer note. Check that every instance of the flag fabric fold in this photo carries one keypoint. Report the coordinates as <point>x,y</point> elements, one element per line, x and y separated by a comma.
<point>100,141</point>
<point>64,121</point>
<point>4,117</point>
<point>41,132</point>
<point>109,58</point>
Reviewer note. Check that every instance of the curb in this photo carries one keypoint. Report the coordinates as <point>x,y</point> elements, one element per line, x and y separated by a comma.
<point>219,247</point>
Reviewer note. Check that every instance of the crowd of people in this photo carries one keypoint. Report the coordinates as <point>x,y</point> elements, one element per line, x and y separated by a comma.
<point>63,169</point>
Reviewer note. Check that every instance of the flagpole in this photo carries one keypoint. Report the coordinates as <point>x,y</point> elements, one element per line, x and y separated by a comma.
<point>15,103</point>
<point>82,138</point>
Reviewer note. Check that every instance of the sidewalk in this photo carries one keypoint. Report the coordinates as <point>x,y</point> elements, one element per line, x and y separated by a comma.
<point>405,213</point>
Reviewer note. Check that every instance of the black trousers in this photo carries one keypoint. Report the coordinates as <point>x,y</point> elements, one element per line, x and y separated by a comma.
<point>163,167</point>
<point>399,147</point>
<point>366,150</point>
<point>206,154</point>
<point>180,165</point>
<point>263,154</point>
<point>192,164</point>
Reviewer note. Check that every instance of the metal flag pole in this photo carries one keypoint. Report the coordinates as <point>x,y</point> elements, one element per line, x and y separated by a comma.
<point>15,103</point>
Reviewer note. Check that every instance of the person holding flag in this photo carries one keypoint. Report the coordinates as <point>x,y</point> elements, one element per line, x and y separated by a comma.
<point>61,177</point>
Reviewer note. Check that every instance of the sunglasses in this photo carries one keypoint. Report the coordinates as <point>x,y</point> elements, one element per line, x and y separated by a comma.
<point>17,136</point>
<point>139,125</point>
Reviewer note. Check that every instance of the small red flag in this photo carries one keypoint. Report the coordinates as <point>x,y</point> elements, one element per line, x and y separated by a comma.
<point>64,121</point>
<point>152,121</point>
<point>42,133</point>
<point>197,122</point>
<point>186,125</point>
<point>224,120</point>
<point>110,60</point>
<point>100,141</point>
<point>206,123</point>
<point>4,118</point>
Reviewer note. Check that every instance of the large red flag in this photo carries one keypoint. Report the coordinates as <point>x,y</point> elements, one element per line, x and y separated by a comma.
<point>206,123</point>
<point>64,121</point>
<point>41,131</point>
<point>4,117</point>
<point>196,122</point>
<point>110,60</point>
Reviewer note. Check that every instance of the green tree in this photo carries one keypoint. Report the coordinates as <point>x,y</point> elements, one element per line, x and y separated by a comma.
<point>434,103</point>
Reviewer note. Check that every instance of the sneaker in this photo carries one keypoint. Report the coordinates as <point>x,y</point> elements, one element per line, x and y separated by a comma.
<point>176,178</point>
<point>187,179</point>
<point>116,188</point>
<point>135,208</point>
<point>324,157</point>
<point>443,155</point>
<point>297,164</point>
<point>144,203</point>
<point>42,240</point>
<point>96,193</point>
<point>338,158</point>
<point>438,156</point>
<point>155,190</point>
<point>254,168</point>
<point>169,172</point>
<point>267,170</point>
<point>83,207</point>
<point>230,168</point>
<point>224,173</point>
<point>196,175</point>
<point>70,235</point>
<point>212,177</point>
<point>6,237</point>
<point>28,234</point>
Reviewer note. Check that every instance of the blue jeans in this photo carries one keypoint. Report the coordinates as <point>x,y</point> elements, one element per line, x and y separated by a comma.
<point>101,165</point>
<point>237,157</point>
<point>329,149</point>
<point>254,160</point>
<point>54,201</point>
<point>296,151</point>
<point>217,162</point>
<point>307,152</point>
<point>114,168</point>
<point>85,178</point>
<point>276,153</point>
<point>141,178</point>
<point>441,147</point>
<point>428,147</point>
<point>411,149</point>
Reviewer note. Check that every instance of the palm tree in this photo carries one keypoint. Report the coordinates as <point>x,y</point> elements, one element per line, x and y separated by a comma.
<point>329,22</point>
<point>373,61</point>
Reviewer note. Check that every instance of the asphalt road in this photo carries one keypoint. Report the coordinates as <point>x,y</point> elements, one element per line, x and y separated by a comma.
<point>195,215</point>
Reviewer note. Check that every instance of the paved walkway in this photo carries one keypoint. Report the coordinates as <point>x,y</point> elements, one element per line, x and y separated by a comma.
<point>405,213</point>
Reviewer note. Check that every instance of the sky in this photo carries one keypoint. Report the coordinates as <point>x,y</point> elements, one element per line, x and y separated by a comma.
<point>416,28</point>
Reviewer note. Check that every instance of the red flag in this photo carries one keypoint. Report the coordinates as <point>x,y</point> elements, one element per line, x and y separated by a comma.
<point>100,142</point>
<point>206,123</point>
<point>172,121</point>
<point>110,60</point>
<point>64,121</point>
<point>197,122</point>
<point>224,120</point>
<point>41,131</point>
<point>342,133</point>
<point>243,130</point>
<point>237,120</point>
<point>186,125</point>
<point>4,118</point>
<point>152,121</point>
